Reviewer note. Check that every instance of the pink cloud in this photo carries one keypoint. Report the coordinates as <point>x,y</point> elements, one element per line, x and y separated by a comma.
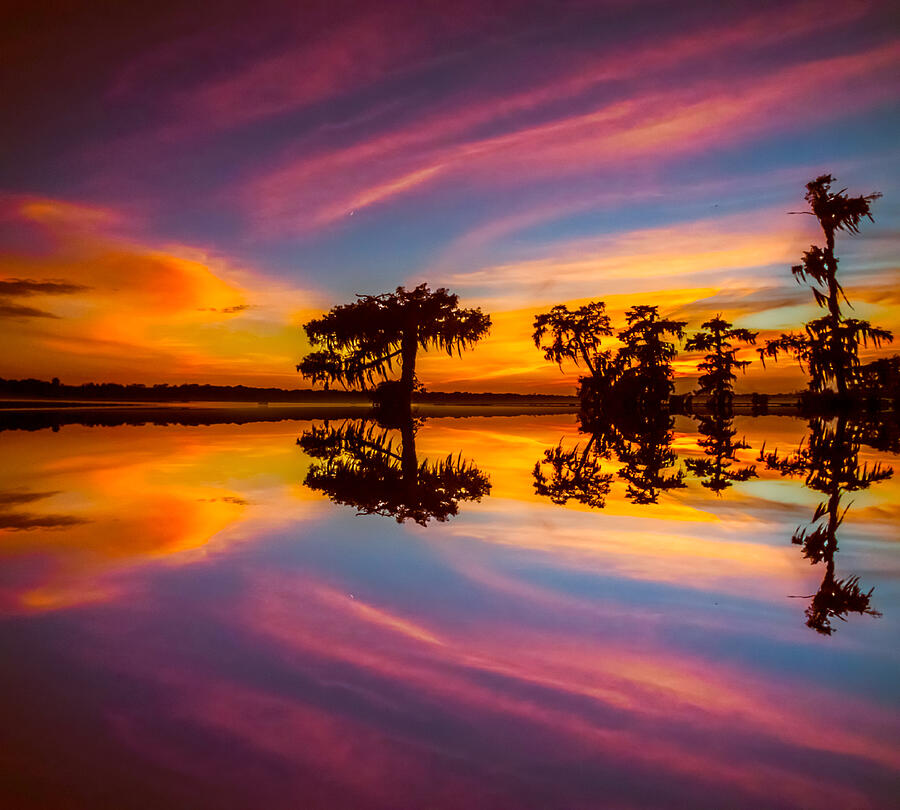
<point>662,120</point>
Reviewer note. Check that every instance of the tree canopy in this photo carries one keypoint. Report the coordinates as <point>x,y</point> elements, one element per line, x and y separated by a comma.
<point>642,368</point>
<point>574,335</point>
<point>575,474</point>
<point>717,337</point>
<point>642,445</point>
<point>359,343</point>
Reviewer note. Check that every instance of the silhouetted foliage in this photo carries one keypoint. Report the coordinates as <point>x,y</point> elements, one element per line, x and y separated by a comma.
<point>829,462</point>
<point>717,337</point>
<point>717,469</point>
<point>575,335</point>
<point>639,376</point>
<point>829,346</point>
<point>202,392</point>
<point>881,379</point>
<point>361,464</point>
<point>649,463</point>
<point>575,474</point>
<point>642,446</point>
<point>361,342</point>
<point>166,392</point>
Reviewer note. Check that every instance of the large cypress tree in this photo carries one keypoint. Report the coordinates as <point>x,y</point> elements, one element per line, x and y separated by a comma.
<point>362,342</point>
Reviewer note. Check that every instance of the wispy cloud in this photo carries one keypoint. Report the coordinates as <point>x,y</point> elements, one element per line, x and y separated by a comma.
<point>648,118</point>
<point>25,287</point>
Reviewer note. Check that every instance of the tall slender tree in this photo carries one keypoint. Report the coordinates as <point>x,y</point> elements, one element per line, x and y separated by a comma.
<point>829,461</point>
<point>361,342</point>
<point>829,346</point>
<point>717,337</point>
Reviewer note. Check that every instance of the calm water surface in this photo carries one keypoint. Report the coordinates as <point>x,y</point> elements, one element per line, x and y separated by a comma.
<point>198,617</point>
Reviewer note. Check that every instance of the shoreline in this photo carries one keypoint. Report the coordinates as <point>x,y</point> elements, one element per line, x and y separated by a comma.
<point>42,416</point>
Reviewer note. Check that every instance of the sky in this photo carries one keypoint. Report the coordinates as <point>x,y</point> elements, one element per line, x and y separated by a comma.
<point>183,185</point>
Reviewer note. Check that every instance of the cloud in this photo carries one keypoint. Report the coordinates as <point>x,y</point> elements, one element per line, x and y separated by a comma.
<point>16,311</point>
<point>26,287</point>
<point>23,521</point>
<point>10,498</point>
<point>670,255</point>
<point>232,310</point>
<point>644,117</point>
<point>126,310</point>
<point>11,520</point>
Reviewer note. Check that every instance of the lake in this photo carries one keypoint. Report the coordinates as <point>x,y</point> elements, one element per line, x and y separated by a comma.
<point>496,612</point>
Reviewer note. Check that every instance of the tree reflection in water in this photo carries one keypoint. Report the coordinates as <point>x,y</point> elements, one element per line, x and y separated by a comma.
<point>574,474</point>
<point>829,461</point>
<point>717,471</point>
<point>642,445</point>
<point>361,464</point>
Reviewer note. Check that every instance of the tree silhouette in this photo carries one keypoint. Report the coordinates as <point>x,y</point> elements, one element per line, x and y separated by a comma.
<point>575,474</point>
<point>575,335</point>
<point>638,374</point>
<point>829,346</point>
<point>829,461</point>
<point>361,465</point>
<point>642,368</point>
<point>718,443</point>
<point>649,463</point>
<point>717,337</point>
<point>642,445</point>
<point>361,342</point>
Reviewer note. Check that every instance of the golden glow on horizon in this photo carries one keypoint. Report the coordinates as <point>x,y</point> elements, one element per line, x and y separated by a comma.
<point>113,501</point>
<point>146,314</point>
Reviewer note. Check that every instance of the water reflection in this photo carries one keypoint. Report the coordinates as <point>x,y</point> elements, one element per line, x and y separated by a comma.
<point>717,438</point>
<point>362,464</point>
<point>642,447</point>
<point>827,459</point>
<point>193,627</point>
<point>829,462</point>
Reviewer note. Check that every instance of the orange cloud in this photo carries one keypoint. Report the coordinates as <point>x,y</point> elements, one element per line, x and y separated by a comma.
<point>121,310</point>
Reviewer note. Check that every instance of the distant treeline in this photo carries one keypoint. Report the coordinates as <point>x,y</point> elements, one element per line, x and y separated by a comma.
<point>193,392</point>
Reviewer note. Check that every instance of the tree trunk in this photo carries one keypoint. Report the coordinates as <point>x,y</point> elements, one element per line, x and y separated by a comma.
<point>409,347</point>
<point>839,360</point>
<point>409,463</point>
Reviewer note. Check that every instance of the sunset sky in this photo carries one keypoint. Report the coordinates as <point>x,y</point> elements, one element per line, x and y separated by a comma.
<point>182,185</point>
